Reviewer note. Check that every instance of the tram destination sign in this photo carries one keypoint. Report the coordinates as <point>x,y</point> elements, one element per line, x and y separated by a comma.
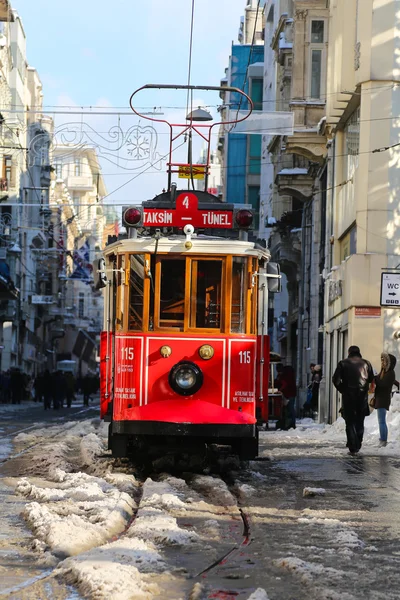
<point>390,289</point>
<point>187,212</point>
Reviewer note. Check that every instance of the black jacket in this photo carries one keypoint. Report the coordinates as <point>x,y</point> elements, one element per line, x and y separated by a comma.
<point>353,376</point>
<point>383,390</point>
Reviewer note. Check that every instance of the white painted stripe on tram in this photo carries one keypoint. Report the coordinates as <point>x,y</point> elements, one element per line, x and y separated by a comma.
<point>141,372</point>
<point>204,340</point>
<point>146,370</point>
<point>228,399</point>
<point>141,338</point>
<point>241,340</point>
<point>223,373</point>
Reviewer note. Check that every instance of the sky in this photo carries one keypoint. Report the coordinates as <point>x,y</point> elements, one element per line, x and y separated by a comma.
<point>96,53</point>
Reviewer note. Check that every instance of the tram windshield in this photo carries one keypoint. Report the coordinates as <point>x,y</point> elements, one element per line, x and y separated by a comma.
<point>172,292</point>
<point>186,293</point>
<point>205,298</point>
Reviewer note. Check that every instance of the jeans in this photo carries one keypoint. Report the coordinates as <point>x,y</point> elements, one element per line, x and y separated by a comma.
<point>291,413</point>
<point>383,430</point>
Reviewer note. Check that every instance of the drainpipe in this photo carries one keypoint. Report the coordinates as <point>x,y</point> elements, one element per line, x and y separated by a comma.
<point>301,309</point>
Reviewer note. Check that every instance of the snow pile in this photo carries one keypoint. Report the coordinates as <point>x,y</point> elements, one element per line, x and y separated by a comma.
<point>259,594</point>
<point>342,538</point>
<point>72,428</point>
<point>214,489</point>
<point>120,570</point>
<point>309,491</point>
<point>91,447</point>
<point>81,512</point>
<point>131,565</point>
<point>307,570</point>
<point>311,573</point>
<point>154,522</point>
<point>330,440</point>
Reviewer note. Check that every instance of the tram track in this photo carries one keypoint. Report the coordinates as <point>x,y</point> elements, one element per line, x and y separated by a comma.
<point>38,427</point>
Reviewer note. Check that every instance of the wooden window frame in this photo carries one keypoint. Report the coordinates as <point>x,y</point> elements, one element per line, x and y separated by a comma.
<point>190,300</point>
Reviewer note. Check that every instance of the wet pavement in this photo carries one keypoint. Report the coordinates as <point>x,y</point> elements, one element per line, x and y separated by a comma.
<point>343,543</point>
<point>22,576</point>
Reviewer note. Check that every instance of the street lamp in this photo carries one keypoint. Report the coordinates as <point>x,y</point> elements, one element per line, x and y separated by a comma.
<point>199,114</point>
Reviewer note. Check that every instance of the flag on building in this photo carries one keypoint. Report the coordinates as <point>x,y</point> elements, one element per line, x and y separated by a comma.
<point>83,268</point>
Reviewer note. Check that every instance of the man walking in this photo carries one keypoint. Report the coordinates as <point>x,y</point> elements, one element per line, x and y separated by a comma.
<point>352,379</point>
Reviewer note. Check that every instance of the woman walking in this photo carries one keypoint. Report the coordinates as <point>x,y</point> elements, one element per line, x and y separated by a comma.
<point>383,393</point>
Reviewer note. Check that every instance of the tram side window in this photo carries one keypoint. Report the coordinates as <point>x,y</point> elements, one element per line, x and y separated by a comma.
<point>205,303</point>
<point>239,292</point>
<point>136,292</point>
<point>172,292</point>
<point>120,292</point>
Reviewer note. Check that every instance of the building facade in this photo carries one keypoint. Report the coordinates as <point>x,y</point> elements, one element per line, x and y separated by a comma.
<point>240,154</point>
<point>293,177</point>
<point>78,222</point>
<point>363,104</point>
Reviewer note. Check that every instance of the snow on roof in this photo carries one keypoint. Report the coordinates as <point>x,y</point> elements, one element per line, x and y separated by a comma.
<point>294,171</point>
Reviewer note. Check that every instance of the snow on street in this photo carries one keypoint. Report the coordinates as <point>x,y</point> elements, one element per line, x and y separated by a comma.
<point>304,522</point>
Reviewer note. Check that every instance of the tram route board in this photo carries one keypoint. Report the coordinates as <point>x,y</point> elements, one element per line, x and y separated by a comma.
<point>390,290</point>
<point>187,211</point>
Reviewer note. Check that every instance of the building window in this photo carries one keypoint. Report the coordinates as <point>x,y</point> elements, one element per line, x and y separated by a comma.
<point>317,59</point>
<point>254,200</point>
<point>317,32</point>
<point>254,154</point>
<point>348,244</point>
<point>81,305</point>
<point>352,144</point>
<point>256,92</point>
<point>316,68</point>
<point>77,167</point>
<point>76,200</point>
<point>58,169</point>
<point>8,171</point>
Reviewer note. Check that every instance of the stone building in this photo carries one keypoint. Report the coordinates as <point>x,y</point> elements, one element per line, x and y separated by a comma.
<point>24,184</point>
<point>293,177</point>
<point>78,223</point>
<point>240,154</point>
<point>362,117</point>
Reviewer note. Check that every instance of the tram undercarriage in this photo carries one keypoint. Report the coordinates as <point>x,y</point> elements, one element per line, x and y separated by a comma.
<point>155,439</point>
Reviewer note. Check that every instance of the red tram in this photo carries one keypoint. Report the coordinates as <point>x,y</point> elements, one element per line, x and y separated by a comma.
<point>184,353</point>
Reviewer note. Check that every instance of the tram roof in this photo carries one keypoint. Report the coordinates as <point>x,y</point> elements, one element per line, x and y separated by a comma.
<point>200,245</point>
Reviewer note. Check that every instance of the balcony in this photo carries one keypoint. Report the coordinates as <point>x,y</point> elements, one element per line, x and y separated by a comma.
<point>295,182</point>
<point>80,183</point>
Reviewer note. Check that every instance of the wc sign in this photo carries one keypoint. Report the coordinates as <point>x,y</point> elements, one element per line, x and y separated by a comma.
<point>390,289</point>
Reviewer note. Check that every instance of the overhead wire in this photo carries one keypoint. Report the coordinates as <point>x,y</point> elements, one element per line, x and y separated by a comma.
<point>39,108</point>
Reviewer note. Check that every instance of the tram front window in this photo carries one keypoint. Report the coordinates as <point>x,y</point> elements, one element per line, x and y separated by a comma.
<point>205,302</point>
<point>239,289</point>
<point>172,293</point>
<point>136,287</point>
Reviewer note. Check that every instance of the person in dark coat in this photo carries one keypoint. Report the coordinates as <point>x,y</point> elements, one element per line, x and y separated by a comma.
<point>286,383</point>
<point>47,387</point>
<point>86,389</point>
<point>38,387</point>
<point>17,385</point>
<point>352,379</point>
<point>384,383</point>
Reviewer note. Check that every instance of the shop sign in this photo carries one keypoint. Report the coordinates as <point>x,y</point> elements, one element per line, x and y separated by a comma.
<point>42,299</point>
<point>390,289</point>
<point>368,311</point>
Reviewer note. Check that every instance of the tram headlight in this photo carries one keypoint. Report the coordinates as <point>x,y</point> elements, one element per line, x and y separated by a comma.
<point>186,378</point>
<point>244,218</point>
<point>132,216</point>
